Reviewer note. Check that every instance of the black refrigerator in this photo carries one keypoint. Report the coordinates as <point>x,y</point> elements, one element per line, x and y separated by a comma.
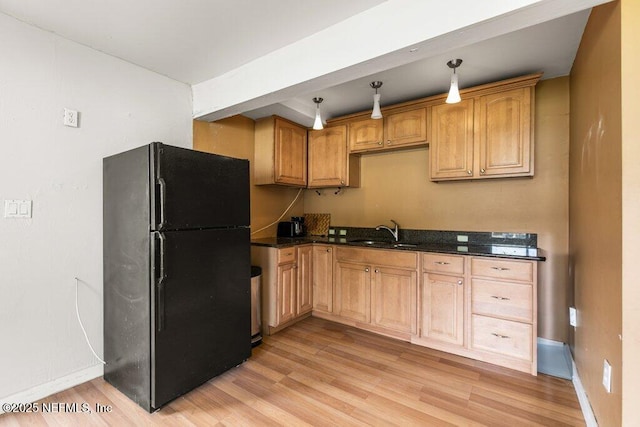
<point>177,270</point>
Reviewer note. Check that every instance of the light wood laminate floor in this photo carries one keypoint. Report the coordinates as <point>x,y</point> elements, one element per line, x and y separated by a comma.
<point>322,373</point>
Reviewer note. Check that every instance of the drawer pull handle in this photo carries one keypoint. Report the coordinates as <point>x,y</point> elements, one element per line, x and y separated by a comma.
<point>500,268</point>
<point>501,298</point>
<point>441,262</point>
<point>499,336</point>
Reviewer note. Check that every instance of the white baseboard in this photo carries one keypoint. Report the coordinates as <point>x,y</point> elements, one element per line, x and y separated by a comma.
<point>587,412</point>
<point>47,389</point>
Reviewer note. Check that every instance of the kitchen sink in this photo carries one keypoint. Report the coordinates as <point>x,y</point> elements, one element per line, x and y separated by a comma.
<point>404,245</point>
<point>370,242</point>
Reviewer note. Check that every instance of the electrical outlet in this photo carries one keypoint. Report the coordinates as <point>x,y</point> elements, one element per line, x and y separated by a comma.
<point>573,317</point>
<point>606,376</point>
<point>70,118</point>
<point>462,238</point>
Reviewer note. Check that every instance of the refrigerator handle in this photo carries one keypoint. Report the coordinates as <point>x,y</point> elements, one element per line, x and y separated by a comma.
<point>160,286</point>
<point>163,196</point>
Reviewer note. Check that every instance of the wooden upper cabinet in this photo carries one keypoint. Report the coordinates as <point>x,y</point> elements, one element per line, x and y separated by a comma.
<point>451,140</point>
<point>403,129</point>
<point>366,135</point>
<point>406,128</point>
<point>280,152</point>
<point>487,135</point>
<point>329,162</point>
<point>504,133</point>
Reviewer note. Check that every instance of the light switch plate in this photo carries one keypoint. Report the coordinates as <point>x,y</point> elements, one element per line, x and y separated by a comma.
<point>573,317</point>
<point>17,208</point>
<point>606,376</point>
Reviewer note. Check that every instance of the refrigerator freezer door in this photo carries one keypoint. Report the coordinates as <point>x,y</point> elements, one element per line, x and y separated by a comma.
<point>202,314</point>
<point>197,190</point>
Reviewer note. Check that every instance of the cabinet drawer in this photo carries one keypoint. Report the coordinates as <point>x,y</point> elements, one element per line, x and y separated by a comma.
<point>443,263</point>
<point>502,269</point>
<point>286,255</point>
<point>504,337</point>
<point>510,300</point>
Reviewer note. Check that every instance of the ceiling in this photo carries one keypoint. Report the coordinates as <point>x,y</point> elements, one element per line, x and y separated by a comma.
<point>195,40</point>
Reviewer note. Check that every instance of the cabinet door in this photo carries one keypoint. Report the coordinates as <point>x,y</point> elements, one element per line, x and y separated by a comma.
<point>305,274</point>
<point>328,157</point>
<point>406,128</point>
<point>353,291</point>
<point>394,297</point>
<point>322,274</point>
<point>286,297</point>
<point>365,135</point>
<point>504,133</point>
<point>443,308</point>
<point>451,140</point>
<point>290,154</point>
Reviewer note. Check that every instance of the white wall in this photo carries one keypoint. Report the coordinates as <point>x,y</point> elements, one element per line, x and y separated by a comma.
<point>60,168</point>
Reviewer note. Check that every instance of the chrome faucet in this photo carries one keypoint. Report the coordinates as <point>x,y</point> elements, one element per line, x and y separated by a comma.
<point>393,232</point>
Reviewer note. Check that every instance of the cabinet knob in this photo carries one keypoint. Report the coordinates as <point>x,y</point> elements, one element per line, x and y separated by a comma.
<point>342,182</point>
<point>482,170</point>
<point>377,271</point>
<point>469,172</point>
<point>295,265</point>
<point>379,142</point>
<point>329,250</point>
<point>366,270</point>
<point>459,282</point>
<point>389,142</point>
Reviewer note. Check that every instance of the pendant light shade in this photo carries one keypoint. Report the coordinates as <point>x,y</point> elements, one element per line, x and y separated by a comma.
<point>454,92</point>
<point>317,123</point>
<point>376,113</point>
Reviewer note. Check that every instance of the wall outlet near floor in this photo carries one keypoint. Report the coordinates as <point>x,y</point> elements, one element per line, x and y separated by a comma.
<point>573,317</point>
<point>606,376</point>
<point>462,238</point>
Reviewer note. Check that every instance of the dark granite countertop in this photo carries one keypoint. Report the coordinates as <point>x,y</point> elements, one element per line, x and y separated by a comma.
<point>496,249</point>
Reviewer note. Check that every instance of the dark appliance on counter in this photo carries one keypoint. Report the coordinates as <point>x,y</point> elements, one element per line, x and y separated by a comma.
<point>293,228</point>
<point>177,270</point>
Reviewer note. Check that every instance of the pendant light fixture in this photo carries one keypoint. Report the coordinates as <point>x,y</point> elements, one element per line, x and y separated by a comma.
<point>454,93</point>
<point>317,124</point>
<point>376,113</point>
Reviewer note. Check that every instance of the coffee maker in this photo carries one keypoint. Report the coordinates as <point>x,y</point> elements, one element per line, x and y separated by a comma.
<point>298,226</point>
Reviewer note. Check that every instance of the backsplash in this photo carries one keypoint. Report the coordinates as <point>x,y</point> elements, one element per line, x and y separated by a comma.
<point>434,236</point>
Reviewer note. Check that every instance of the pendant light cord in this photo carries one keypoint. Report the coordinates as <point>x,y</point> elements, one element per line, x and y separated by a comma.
<point>82,326</point>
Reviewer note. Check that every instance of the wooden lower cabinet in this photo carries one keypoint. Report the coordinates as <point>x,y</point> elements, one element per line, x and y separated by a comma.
<point>394,299</point>
<point>353,291</point>
<point>322,279</point>
<point>286,285</point>
<point>443,308</point>
<point>304,285</point>
<point>286,294</point>
<point>479,307</point>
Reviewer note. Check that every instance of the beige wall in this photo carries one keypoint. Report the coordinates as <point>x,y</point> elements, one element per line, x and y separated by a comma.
<point>234,137</point>
<point>596,209</point>
<point>396,185</point>
<point>630,52</point>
